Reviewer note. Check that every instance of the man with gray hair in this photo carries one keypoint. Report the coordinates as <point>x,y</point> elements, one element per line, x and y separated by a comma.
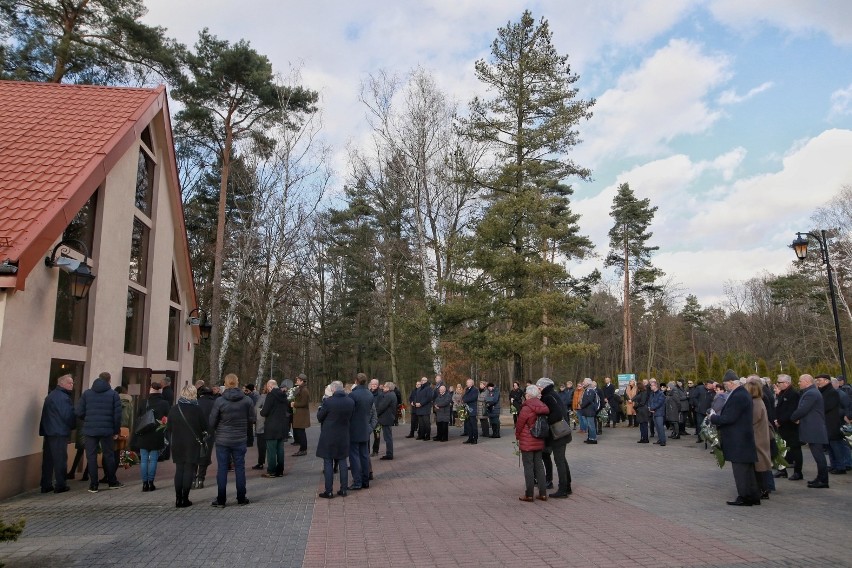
<point>786,402</point>
<point>276,424</point>
<point>589,405</point>
<point>810,415</point>
<point>334,416</point>
<point>57,421</point>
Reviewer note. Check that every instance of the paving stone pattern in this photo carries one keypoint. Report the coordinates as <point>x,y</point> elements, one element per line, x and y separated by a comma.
<point>448,504</point>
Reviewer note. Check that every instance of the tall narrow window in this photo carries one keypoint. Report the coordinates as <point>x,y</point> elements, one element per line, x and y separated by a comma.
<point>134,323</point>
<point>144,182</point>
<point>173,345</point>
<point>139,252</point>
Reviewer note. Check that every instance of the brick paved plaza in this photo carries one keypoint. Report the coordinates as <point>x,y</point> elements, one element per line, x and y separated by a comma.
<point>448,504</point>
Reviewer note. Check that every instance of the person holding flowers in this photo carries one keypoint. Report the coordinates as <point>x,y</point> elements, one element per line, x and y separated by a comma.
<point>516,400</point>
<point>152,442</point>
<point>531,447</point>
<point>187,428</point>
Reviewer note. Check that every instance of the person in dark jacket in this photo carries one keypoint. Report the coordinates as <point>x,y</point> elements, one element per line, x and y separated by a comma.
<point>412,398</point>
<point>703,395</point>
<point>205,403</point>
<point>100,410</point>
<point>229,419</point>
<point>359,433</point>
<point>443,404</point>
<point>301,418</point>
<point>469,399</point>
<point>786,402</point>
<point>334,416</point>
<point>187,429</point>
<point>840,449</point>
<point>423,410</point>
<point>673,410</point>
<point>276,426</point>
<point>609,395</point>
<point>492,408</point>
<point>516,400</point>
<point>386,405</point>
<point>482,411</point>
<point>531,447</point>
<point>833,421</point>
<point>810,414</point>
<point>57,421</point>
<point>640,405</point>
<point>589,405</point>
<point>152,442</point>
<point>557,411</point>
<point>657,408</point>
<point>736,433</point>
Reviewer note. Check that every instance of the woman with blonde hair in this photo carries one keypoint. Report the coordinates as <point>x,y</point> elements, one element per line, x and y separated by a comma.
<point>188,430</point>
<point>760,423</point>
<point>631,391</point>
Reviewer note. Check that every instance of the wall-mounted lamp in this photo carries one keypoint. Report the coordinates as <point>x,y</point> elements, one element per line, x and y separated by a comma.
<point>203,326</point>
<point>81,275</point>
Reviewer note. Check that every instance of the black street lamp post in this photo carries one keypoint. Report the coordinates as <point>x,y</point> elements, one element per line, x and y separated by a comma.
<point>800,246</point>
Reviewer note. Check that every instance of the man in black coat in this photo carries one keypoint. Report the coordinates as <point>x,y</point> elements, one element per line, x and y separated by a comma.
<point>423,409</point>
<point>386,412</point>
<point>334,417</point>
<point>57,421</point>
<point>276,425</point>
<point>375,391</point>
<point>786,403</point>
<point>833,421</point>
<point>469,398</point>
<point>412,397</point>
<point>206,399</point>
<point>359,433</point>
<point>736,433</point>
<point>100,410</point>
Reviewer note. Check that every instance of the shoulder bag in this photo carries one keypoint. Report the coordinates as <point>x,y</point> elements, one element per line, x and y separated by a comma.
<point>147,422</point>
<point>560,430</point>
<point>540,429</point>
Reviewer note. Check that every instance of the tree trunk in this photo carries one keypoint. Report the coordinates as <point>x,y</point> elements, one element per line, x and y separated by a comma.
<point>216,302</point>
<point>627,325</point>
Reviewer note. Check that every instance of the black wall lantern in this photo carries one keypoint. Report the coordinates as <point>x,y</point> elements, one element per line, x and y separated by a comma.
<point>81,275</point>
<point>203,326</point>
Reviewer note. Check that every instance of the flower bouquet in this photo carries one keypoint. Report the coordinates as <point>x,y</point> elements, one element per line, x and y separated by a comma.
<point>463,412</point>
<point>513,409</point>
<point>127,458</point>
<point>778,461</point>
<point>846,430</point>
<point>377,430</point>
<point>162,423</point>
<point>710,434</point>
<point>400,412</point>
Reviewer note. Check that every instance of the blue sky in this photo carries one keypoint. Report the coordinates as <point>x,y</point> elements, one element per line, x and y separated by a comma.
<point>733,116</point>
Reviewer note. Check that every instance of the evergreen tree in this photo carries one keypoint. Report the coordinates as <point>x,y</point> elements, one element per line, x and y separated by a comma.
<point>762,367</point>
<point>522,301</point>
<point>716,370</point>
<point>230,95</point>
<point>630,255</point>
<point>84,41</point>
<point>701,368</point>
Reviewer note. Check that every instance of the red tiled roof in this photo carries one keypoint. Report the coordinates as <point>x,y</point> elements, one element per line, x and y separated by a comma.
<point>57,142</point>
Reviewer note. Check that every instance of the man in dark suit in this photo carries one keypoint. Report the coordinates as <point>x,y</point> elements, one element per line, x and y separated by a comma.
<point>334,417</point>
<point>810,415</point>
<point>786,402</point>
<point>471,395</point>
<point>57,421</point>
<point>359,433</point>
<point>423,409</point>
<point>736,433</point>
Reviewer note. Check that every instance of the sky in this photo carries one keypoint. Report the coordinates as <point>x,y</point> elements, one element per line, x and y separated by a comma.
<point>734,117</point>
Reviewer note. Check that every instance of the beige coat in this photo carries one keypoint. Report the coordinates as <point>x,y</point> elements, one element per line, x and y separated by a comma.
<point>760,423</point>
<point>629,393</point>
<point>301,410</point>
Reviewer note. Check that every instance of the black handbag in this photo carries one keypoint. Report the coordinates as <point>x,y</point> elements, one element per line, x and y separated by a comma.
<point>147,422</point>
<point>540,429</point>
<point>204,448</point>
<point>560,430</point>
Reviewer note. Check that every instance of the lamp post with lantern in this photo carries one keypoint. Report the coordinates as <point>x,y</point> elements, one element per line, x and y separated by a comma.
<point>800,247</point>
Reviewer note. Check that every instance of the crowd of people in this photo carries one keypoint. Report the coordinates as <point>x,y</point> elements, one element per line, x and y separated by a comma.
<point>354,420</point>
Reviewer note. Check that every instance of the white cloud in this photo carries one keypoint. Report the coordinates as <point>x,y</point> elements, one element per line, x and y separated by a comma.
<point>831,17</point>
<point>841,102</point>
<point>663,98</point>
<point>731,97</point>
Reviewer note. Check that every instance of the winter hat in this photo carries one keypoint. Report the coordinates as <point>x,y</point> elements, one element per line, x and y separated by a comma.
<point>543,383</point>
<point>730,375</point>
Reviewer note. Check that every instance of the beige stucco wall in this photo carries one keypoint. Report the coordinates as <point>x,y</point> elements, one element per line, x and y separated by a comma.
<point>27,317</point>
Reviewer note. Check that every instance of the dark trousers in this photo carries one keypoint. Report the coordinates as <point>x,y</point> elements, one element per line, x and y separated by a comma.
<point>387,433</point>
<point>472,431</point>
<point>274,456</point>
<point>224,454</point>
<point>376,441</point>
<point>495,427</point>
<point>184,472</point>
<point>443,432</point>
<point>328,473</point>
<point>699,420</point>
<point>483,424</point>
<point>643,431</point>
<point>301,438</point>
<point>746,480</point>
<point>660,426</point>
<point>533,473</point>
<point>261,449</point>
<point>556,449</point>
<point>794,456</point>
<point>818,453</point>
<point>359,461</point>
<point>415,422</point>
<point>54,460</point>
<point>424,429</point>
<point>108,457</point>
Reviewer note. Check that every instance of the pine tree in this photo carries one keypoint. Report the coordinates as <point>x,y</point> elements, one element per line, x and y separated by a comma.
<point>762,367</point>
<point>631,256</point>
<point>522,301</point>
<point>701,368</point>
<point>716,370</point>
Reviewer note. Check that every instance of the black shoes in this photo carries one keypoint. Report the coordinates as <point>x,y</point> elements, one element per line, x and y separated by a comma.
<point>145,487</point>
<point>327,495</point>
<point>258,466</point>
<point>300,453</point>
<point>410,436</point>
<point>817,485</point>
<point>795,477</point>
<point>62,489</point>
<point>590,441</point>
<point>743,502</point>
<point>342,493</point>
<point>559,495</point>
<point>837,471</point>
<point>217,504</point>
<point>243,501</point>
<point>47,489</point>
<point>119,485</point>
<point>386,458</point>
<point>780,473</point>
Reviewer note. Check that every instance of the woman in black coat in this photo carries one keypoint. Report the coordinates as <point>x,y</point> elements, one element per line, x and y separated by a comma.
<point>151,443</point>
<point>187,428</point>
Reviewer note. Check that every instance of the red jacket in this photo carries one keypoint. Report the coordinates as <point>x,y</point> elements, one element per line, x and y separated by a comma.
<point>526,418</point>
